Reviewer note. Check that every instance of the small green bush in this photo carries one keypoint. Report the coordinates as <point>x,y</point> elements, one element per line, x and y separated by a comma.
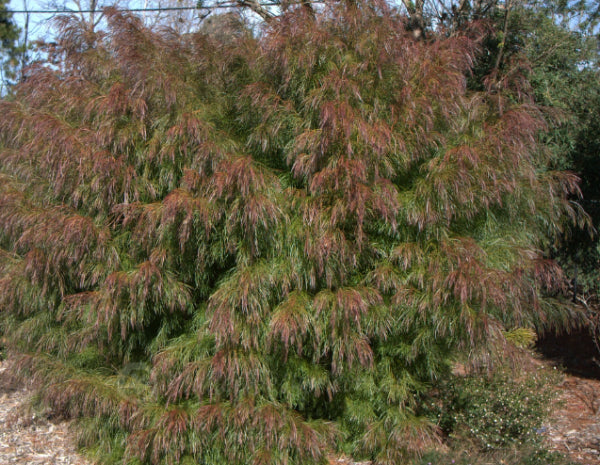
<point>497,411</point>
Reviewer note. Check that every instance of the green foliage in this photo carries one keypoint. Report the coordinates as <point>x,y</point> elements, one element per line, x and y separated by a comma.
<point>579,252</point>
<point>9,47</point>
<point>266,250</point>
<point>565,79</point>
<point>555,44</point>
<point>499,411</point>
<point>523,338</point>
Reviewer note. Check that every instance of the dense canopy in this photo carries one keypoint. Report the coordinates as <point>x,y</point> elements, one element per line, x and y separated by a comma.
<point>229,249</point>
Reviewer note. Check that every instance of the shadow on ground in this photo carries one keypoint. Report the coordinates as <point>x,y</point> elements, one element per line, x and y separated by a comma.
<point>576,352</point>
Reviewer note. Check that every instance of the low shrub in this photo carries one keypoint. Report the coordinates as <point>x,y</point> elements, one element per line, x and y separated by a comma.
<point>497,411</point>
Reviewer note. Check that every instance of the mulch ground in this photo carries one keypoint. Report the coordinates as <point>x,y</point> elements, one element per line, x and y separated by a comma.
<point>575,426</point>
<point>26,439</point>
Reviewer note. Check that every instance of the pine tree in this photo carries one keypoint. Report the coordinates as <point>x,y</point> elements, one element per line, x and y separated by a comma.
<point>265,250</point>
<point>9,48</point>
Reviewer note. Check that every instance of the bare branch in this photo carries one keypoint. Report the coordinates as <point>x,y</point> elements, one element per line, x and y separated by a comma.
<point>255,6</point>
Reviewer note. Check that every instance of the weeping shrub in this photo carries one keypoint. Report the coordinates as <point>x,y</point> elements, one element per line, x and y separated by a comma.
<point>233,250</point>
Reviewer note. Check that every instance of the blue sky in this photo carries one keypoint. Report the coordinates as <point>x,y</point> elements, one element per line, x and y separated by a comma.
<point>37,22</point>
<point>40,24</point>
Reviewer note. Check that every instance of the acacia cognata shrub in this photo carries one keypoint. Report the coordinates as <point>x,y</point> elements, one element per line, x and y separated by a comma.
<point>263,250</point>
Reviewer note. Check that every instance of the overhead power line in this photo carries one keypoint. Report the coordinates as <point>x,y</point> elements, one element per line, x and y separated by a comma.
<point>141,10</point>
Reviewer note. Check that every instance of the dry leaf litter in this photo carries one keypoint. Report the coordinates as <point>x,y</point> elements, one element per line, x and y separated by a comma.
<point>26,439</point>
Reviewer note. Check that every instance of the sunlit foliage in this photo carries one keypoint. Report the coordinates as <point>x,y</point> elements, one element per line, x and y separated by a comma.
<point>264,250</point>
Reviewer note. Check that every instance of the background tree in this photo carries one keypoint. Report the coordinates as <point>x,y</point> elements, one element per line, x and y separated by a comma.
<point>553,43</point>
<point>9,46</point>
<point>559,41</point>
<point>265,250</point>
